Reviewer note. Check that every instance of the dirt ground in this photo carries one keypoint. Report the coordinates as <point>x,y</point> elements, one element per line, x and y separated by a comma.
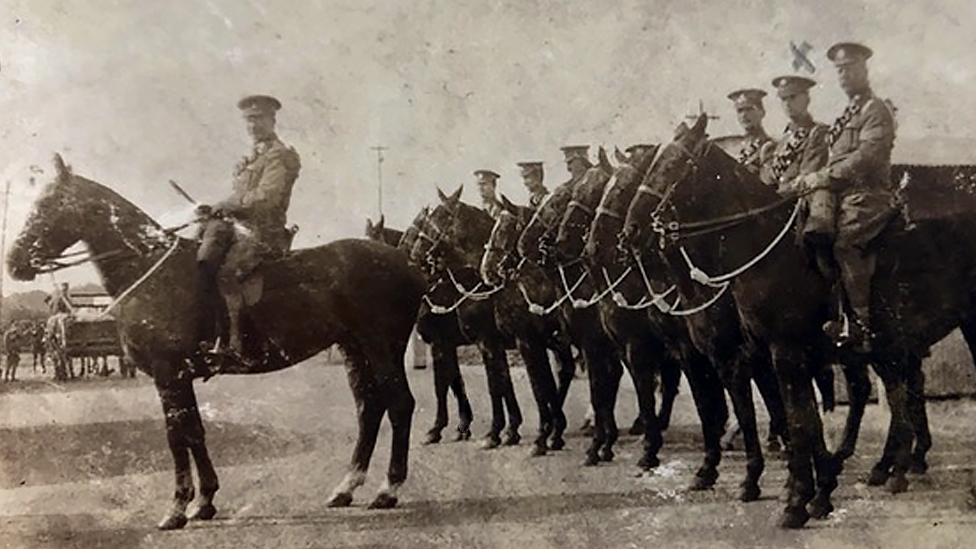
<point>86,465</point>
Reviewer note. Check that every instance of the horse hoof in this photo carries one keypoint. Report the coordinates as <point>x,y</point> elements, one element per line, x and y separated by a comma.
<point>557,444</point>
<point>897,484</point>
<point>592,459</point>
<point>538,450</point>
<point>820,508</point>
<point>432,438</point>
<point>173,521</point>
<point>647,462</point>
<point>512,438</point>
<point>703,480</point>
<point>877,477</point>
<point>383,501</point>
<point>794,518</point>
<point>206,511</point>
<point>342,499</point>
<point>749,492</point>
<point>463,434</point>
<point>491,442</point>
<point>606,454</point>
<point>919,467</point>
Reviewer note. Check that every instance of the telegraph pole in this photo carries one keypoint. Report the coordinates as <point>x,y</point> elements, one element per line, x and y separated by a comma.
<point>3,240</point>
<point>379,175</point>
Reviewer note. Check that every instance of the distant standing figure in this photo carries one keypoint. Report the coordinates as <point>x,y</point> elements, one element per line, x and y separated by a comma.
<point>11,352</point>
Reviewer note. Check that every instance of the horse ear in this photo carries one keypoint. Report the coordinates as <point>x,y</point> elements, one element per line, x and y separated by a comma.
<point>381,222</point>
<point>456,195</point>
<point>63,170</point>
<point>700,124</point>
<point>604,160</point>
<point>680,130</point>
<point>619,155</point>
<point>508,205</point>
<point>441,195</point>
<point>369,225</point>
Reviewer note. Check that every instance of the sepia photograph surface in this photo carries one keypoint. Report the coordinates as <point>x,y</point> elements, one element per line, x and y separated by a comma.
<point>487,274</point>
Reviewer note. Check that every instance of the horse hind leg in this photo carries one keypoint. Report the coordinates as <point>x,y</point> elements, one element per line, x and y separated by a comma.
<point>399,401</point>
<point>858,392</point>
<point>370,409</point>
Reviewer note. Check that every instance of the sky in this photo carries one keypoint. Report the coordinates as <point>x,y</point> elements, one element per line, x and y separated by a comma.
<point>135,93</point>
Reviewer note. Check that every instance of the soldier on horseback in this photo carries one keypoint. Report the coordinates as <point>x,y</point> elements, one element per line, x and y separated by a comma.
<point>859,173</point>
<point>749,112</point>
<point>249,225</point>
<point>577,160</point>
<point>487,186</point>
<point>532,175</point>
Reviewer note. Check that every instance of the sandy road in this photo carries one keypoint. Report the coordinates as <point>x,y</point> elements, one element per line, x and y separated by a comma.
<point>86,465</point>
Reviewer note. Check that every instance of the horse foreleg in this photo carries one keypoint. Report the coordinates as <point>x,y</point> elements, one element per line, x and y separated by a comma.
<point>897,450</point>
<point>709,397</point>
<point>565,372</point>
<point>465,415</point>
<point>441,371</point>
<point>370,409</point>
<point>179,408</point>
<point>641,364</point>
<point>496,388</point>
<point>670,381</point>
<point>543,390</point>
<point>919,417</point>
<point>737,380</point>
<point>806,434</point>
<point>778,437</point>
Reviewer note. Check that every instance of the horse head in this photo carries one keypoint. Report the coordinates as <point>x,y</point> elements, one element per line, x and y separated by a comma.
<point>70,209</point>
<point>410,234</point>
<point>580,211</point>
<point>499,259</point>
<point>453,234</point>
<point>535,241</point>
<point>677,162</point>
<point>608,220</point>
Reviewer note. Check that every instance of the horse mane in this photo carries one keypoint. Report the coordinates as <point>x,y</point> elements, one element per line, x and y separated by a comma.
<point>101,193</point>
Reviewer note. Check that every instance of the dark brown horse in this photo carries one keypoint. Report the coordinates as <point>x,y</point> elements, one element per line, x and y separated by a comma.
<point>646,350</point>
<point>719,223</point>
<point>604,366</point>
<point>452,279</point>
<point>312,298</point>
<point>534,331</point>
<point>440,332</point>
<point>708,341</point>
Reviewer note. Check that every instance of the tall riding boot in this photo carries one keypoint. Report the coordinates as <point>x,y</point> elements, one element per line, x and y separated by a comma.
<point>207,329</point>
<point>857,269</point>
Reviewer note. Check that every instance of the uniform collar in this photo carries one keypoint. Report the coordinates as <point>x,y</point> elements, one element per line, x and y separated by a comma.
<point>805,122</point>
<point>263,145</point>
<point>861,98</point>
<point>758,135</point>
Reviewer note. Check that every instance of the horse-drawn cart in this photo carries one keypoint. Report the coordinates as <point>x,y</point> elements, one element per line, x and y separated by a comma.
<point>86,335</point>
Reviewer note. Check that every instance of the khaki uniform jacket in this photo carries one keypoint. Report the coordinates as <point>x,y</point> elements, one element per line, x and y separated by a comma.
<point>860,149</point>
<point>746,149</point>
<point>262,190</point>
<point>801,150</point>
